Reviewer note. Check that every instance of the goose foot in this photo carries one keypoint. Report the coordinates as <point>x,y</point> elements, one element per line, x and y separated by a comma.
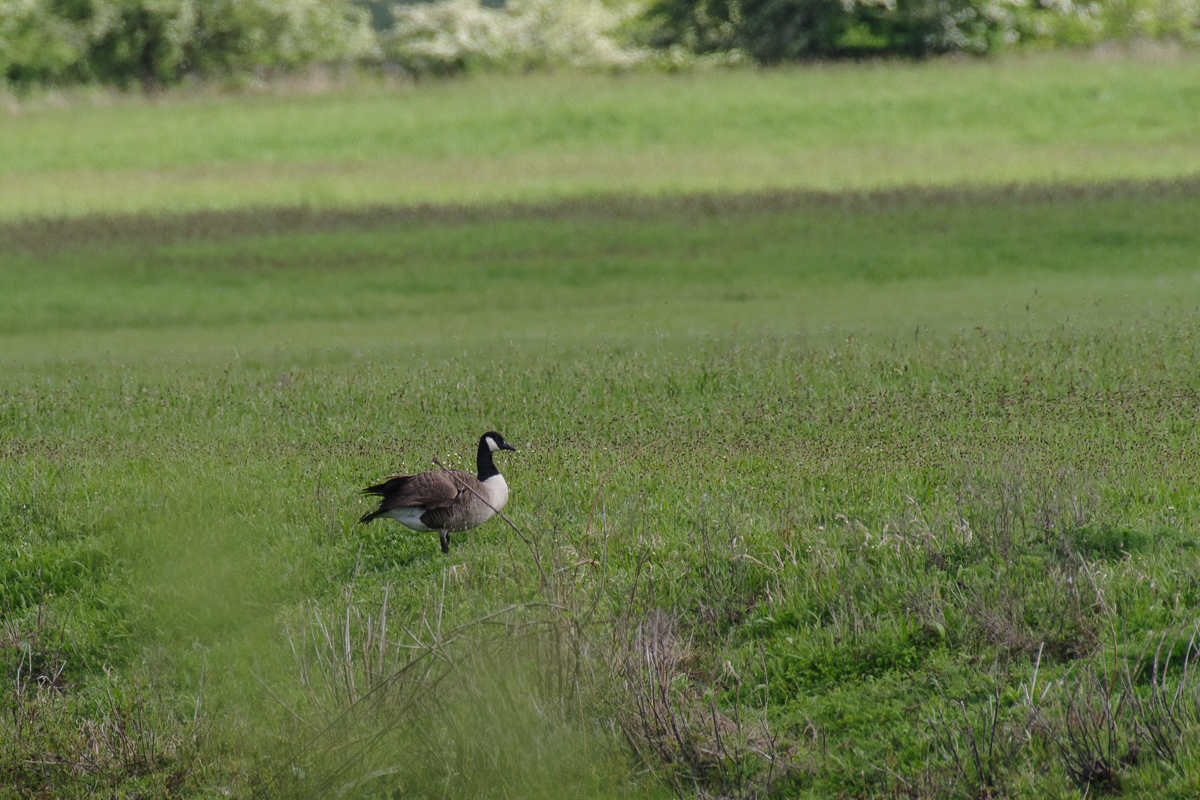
<point>444,537</point>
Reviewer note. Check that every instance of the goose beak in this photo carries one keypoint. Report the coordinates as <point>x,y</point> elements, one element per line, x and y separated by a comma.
<point>507,446</point>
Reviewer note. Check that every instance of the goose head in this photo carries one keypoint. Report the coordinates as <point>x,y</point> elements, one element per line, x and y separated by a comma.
<point>494,441</point>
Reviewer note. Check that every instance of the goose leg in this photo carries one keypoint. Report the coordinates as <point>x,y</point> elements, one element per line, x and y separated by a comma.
<point>444,537</point>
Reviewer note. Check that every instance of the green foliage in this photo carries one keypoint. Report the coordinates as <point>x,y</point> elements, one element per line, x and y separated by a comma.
<point>773,31</point>
<point>159,42</point>
<point>1095,540</point>
<point>36,44</point>
<point>769,31</point>
<point>450,36</point>
<point>790,673</point>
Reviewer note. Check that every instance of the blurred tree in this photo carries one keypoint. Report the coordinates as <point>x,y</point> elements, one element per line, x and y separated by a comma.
<point>158,42</point>
<point>772,31</point>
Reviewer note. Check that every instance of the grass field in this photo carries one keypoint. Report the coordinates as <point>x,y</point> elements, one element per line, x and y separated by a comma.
<point>1042,118</point>
<point>818,495</point>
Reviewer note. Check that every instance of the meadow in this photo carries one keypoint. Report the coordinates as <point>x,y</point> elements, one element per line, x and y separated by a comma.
<point>1043,117</point>
<point>819,494</point>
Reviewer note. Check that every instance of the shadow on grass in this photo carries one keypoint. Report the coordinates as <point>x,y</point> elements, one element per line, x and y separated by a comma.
<point>48,234</point>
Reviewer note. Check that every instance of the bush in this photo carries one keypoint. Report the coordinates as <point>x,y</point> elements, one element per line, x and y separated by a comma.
<point>160,41</point>
<point>772,31</point>
<point>456,35</point>
<point>36,45</point>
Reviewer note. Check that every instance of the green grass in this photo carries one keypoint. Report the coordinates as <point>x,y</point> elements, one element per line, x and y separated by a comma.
<point>818,494</point>
<point>853,447</point>
<point>530,137</point>
<point>380,286</point>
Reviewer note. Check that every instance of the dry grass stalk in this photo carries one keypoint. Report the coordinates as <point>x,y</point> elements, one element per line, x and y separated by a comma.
<point>366,675</point>
<point>668,720</point>
<point>122,737</point>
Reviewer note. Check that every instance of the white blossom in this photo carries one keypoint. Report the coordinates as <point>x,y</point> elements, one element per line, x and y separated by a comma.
<point>522,33</point>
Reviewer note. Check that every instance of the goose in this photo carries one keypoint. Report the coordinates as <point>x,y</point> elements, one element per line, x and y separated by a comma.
<point>445,500</point>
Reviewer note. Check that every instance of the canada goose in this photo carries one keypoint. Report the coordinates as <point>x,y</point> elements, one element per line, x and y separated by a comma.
<point>445,500</point>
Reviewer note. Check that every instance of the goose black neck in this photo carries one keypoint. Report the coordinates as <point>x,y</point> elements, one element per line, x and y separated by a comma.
<point>483,461</point>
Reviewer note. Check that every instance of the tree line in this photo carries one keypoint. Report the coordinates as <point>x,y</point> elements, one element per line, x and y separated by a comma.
<point>163,42</point>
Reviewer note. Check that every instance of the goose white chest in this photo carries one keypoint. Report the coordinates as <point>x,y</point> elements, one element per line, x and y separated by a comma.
<point>495,491</point>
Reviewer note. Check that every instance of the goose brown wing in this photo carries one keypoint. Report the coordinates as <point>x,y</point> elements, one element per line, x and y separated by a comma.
<point>428,490</point>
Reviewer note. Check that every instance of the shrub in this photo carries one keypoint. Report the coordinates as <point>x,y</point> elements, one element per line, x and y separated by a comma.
<point>772,31</point>
<point>36,45</point>
<point>456,35</point>
<point>160,41</point>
